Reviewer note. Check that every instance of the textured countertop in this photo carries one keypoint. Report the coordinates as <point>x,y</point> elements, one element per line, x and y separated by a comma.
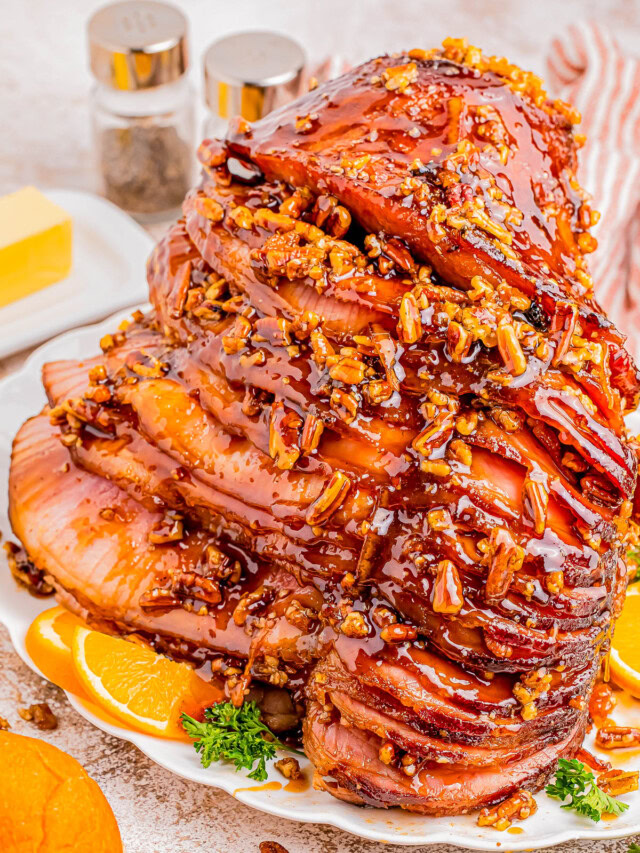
<point>45,140</point>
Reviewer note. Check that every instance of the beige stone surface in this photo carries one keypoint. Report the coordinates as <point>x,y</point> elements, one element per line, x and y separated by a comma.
<point>45,140</point>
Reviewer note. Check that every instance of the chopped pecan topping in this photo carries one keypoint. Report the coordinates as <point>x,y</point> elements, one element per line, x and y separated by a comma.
<point>169,529</point>
<point>434,434</point>
<point>355,624</point>
<point>510,350</point>
<point>289,767</point>
<point>329,500</point>
<point>385,348</point>
<point>436,468</point>
<point>25,572</point>
<point>409,325</point>
<point>504,558</point>
<point>219,565</point>
<point>395,633</point>
<point>350,371</point>
<point>299,616</point>
<point>554,582</point>
<point>447,589</point>
<point>321,347</point>
<point>40,715</point>
<point>276,330</point>
<point>467,423</point>
<point>272,221</point>
<point>242,217</point>
<point>259,598</point>
<point>344,404</point>
<point>209,208</point>
<point>272,847</point>
<point>399,77</point>
<point>461,451</point>
<point>519,806</point>
<point>459,341</point>
<point>439,519</point>
<point>387,752</point>
<point>536,500</point>
<point>531,686</point>
<point>618,782</point>
<point>237,341</point>
<point>377,391</point>
<point>311,434</point>
<point>617,737</point>
<point>284,436</point>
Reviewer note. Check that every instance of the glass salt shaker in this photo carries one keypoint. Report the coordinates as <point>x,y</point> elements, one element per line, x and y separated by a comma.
<point>143,106</point>
<point>249,74</point>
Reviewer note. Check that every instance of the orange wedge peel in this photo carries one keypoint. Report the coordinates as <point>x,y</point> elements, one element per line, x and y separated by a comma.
<point>140,688</point>
<point>625,649</point>
<point>48,643</point>
<point>124,683</point>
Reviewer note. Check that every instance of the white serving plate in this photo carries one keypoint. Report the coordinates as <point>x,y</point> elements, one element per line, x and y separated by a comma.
<point>110,250</point>
<point>21,395</point>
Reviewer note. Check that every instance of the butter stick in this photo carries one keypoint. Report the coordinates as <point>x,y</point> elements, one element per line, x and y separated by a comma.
<point>35,244</point>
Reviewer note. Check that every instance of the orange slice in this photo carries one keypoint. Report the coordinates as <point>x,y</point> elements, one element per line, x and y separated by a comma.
<point>625,649</point>
<point>48,643</point>
<point>140,688</point>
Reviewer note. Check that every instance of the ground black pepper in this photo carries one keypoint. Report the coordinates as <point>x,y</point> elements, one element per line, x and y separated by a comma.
<point>146,167</point>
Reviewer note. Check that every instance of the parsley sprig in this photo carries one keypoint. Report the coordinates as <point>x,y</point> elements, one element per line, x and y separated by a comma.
<point>577,782</point>
<point>237,735</point>
<point>634,848</point>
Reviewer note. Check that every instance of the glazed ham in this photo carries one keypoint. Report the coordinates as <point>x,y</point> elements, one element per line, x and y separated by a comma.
<point>369,445</point>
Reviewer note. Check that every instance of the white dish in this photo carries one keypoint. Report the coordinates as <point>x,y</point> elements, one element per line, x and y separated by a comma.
<point>21,395</point>
<point>109,254</point>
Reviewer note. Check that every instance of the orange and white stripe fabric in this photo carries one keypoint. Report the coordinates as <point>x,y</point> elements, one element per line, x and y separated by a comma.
<point>586,67</point>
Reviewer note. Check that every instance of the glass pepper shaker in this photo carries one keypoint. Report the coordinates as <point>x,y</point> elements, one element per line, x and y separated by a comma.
<point>249,74</point>
<point>143,107</point>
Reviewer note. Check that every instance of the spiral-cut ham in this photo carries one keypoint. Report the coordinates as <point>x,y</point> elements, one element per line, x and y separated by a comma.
<point>369,444</point>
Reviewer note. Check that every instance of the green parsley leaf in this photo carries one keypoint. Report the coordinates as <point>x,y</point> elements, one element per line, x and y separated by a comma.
<point>236,735</point>
<point>577,782</point>
<point>634,848</point>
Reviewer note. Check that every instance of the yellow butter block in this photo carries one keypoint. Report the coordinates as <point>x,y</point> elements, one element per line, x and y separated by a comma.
<point>35,244</point>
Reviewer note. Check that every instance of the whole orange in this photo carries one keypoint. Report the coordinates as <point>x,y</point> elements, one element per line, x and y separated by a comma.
<point>48,802</point>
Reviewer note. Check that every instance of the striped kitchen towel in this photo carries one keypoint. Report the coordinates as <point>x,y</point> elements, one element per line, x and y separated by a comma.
<point>586,67</point>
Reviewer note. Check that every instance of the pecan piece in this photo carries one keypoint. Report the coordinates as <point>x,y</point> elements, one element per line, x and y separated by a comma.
<point>519,806</point>
<point>355,625</point>
<point>398,633</point>
<point>618,737</point>
<point>284,432</point>
<point>329,500</point>
<point>399,77</point>
<point>505,558</point>
<point>447,589</point>
<point>512,355</point>
<point>209,208</point>
<point>410,324</point>
<point>311,434</point>
<point>169,529</point>
<point>40,715</point>
<point>618,782</point>
<point>289,767</point>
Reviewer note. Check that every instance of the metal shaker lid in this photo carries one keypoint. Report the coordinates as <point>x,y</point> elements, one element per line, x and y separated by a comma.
<point>137,44</point>
<point>250,73</point>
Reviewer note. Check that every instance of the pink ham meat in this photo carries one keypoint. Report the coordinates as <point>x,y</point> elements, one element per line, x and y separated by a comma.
<point>368,446</point>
